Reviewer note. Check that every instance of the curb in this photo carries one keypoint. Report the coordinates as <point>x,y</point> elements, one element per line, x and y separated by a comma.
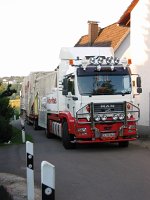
<point>17,186</point>
<point>142,142</point>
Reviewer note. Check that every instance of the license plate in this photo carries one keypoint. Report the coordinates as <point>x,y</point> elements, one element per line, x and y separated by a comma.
<point>108,135</point>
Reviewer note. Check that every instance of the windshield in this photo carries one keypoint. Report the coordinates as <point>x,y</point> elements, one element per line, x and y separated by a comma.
<point>104,85</point>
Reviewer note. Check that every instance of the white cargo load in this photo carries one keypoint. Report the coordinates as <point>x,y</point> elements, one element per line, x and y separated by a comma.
<point>29,90</point>
<point>80,52</point>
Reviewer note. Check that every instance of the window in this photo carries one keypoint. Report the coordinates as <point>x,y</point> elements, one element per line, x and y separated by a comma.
<point>71,85</point>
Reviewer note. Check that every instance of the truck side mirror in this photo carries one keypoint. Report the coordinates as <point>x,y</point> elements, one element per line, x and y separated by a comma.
<point>138,81</point>
<point>65,87</point>
<point>75,98</point>
<point>139,90</point>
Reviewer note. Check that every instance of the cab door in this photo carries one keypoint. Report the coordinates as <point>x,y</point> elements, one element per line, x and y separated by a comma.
<point>71,95</point>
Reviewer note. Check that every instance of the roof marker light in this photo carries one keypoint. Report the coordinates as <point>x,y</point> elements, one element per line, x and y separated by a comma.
<point>92,60</point>
<point>109,60</point>
<point>124,62</point>
<point>71,62</point>
<point>129,61</point>
<point>84,63</point>
<point>100,60</point>
<point>98,68</point>
<point>116,60</point>
<point>112,68</point>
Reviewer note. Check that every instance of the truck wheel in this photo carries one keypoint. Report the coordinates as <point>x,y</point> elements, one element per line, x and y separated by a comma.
<point>48,134</point>
<point>124,144</point>
<point>35,124</point>
<point>66,138</point>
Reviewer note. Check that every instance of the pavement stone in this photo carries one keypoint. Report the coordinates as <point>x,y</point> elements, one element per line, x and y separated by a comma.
<point>142,142</point>
<point>143,136</point>
<point>143,132</point>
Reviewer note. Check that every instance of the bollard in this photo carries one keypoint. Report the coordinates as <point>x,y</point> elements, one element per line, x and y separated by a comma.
<point>48,181</point>
<point>23,129</point>
<point>14,117</point>
<point>30,170</point>
<point>23,136</point>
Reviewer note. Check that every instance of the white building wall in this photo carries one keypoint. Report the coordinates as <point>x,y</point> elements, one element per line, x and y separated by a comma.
<point>124,49</point>
<point>140,52</point>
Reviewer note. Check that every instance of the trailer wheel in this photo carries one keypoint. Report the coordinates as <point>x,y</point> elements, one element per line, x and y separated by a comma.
<point>48,133</point>
<point>35,124</point>
<point>124,144</point>
<point>66,138</point>
<point>28,121</point>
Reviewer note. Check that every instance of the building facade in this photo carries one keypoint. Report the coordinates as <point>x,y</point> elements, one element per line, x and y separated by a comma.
<point>140,53</point>
<point>130,38</point>
<point>115,36</point>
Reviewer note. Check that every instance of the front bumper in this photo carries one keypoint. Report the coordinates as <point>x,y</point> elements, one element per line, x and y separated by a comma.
<point>103,141</point>
<point>87,130</point>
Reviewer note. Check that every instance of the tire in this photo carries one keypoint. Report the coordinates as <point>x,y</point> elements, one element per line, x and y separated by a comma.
<point>124,144</point>
<point>48,134</point>
<point>35,124</point>
<point>28,122</point>
<point>66,137</point>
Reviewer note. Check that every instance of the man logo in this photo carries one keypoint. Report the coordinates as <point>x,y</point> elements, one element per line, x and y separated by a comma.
<point>107,106</point>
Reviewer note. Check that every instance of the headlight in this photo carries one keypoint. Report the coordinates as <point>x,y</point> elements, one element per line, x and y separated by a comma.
<point>82,130</point>
<point>132,127</point>
<point>115,117</point>
<point>121,116</point>
<point>97,118</point>
<point>129,115</point>
<point>129,106</point>
<point>104,117</point>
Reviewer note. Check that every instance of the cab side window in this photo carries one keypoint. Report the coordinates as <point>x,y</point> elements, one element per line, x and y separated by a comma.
<point>71,85</point>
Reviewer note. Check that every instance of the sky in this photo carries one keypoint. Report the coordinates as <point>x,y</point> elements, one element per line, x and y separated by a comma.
<point>32,32</point>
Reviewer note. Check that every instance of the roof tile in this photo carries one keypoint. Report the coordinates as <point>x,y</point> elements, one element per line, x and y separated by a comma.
<point>110,36</point>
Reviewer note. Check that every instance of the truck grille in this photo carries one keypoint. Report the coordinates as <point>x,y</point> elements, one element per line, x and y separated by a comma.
<point>107,113</point>
<point>108,107</point>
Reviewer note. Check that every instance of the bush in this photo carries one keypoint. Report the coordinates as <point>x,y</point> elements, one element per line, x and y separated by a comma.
<point>4,194</point>
<point>17,112</point>
<point>5,130</point>
<point>5,109</point>
<point>6,113</point>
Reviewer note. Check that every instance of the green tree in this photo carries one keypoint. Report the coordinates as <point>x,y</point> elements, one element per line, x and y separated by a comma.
<point>6,113</point>
<point>8,92</point>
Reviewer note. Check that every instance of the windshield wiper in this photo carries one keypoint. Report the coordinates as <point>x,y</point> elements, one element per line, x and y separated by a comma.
<point>87,93</point>
<point>123,93</point>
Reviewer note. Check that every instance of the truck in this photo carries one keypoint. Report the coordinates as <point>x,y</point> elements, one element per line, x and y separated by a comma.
<point>88,98</point>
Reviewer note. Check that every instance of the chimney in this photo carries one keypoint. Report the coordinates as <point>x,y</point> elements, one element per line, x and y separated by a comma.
<point>92,31</point>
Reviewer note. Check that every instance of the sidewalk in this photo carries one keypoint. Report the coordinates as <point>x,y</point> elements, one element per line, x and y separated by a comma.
<point>143,137</point>
<point>144,132</point>
<point>142,142</point>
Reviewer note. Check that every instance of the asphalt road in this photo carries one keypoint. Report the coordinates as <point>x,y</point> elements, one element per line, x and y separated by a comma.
<point>91,172</point>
